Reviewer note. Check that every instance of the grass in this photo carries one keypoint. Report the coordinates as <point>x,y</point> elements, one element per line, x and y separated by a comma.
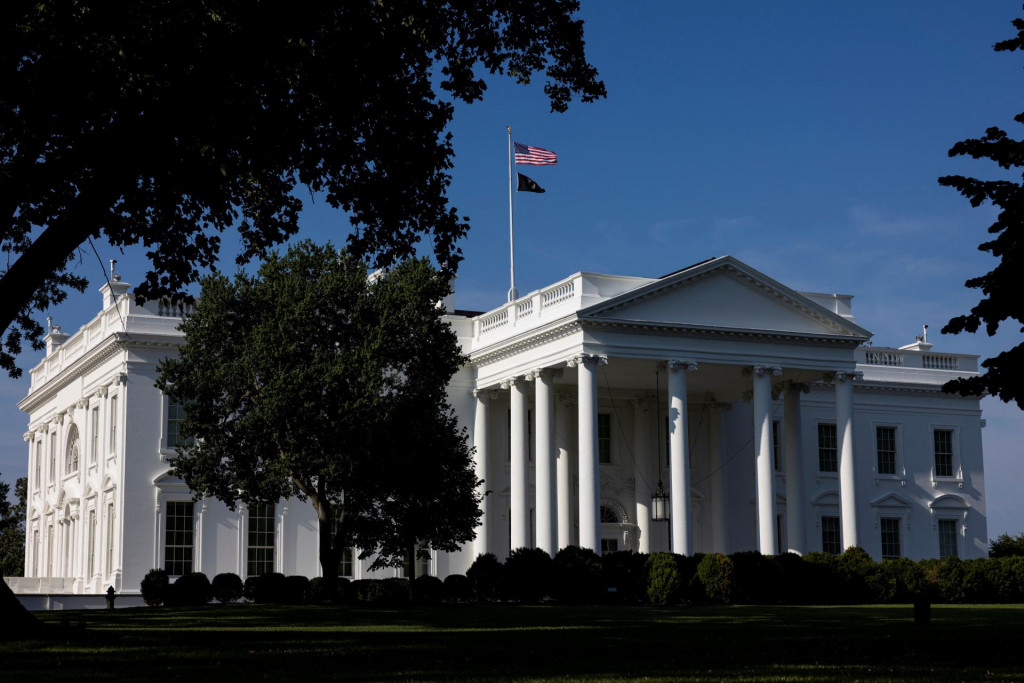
<point>745,643</point>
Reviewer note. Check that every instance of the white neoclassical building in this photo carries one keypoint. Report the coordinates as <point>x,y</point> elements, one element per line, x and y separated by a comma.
<point>763,413</point>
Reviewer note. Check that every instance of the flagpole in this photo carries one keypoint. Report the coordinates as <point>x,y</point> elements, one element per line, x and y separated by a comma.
<point>512,293</point>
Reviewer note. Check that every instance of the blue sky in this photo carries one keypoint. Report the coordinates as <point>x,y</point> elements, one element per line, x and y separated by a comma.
<point>803,138</point>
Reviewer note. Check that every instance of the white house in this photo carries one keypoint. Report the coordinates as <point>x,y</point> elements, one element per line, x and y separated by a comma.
<point>764,413</point>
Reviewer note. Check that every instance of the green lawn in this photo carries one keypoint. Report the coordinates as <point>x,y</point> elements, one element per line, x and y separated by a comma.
<point>256,643</point>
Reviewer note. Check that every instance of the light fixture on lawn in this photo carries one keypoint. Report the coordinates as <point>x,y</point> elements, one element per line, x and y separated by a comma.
<point>659,507</point>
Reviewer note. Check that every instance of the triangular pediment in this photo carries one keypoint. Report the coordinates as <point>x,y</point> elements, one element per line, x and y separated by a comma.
<point>725,294</point>
<point>891,500</point>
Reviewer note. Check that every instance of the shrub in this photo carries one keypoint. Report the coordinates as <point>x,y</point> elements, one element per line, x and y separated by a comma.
<point>855,570</point>
<point>457,588</point>
<point>1006,577</point>
<point>898,580</point>
<point>796,579</point>
<point>396,591</point>
<point>823,584</point>
<point>529,574</point>
<point>577,576</point>
<point>190,590</point>
<point>317,590</point>
<point>716,572</point>
<point>380,592</point>
<point>154,587</point>
<point>624,577</point>
<point>976,586</point>
<point>487,576</point>
<point>756,579</point>
<point>950,572</point>
<point>295,590</point>
<point>664,580</point>
<point>428,589</point>
<point>265,588</point>
<point>226,587</point>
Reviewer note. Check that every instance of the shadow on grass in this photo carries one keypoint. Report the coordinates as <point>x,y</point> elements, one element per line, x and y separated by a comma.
<point>243,642</point>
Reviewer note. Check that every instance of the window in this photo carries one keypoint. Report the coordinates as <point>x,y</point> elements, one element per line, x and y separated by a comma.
<point>71,453</point>
<point>890,538</point>
<point>604,438</point>
<point>261,539</point>
<point>827,456</point>
<point>49,551</point>
<point>111,538</point>
<point>830,542</point>
<point>113,424</point>
<point>609,545</point>
<point>175,416</point>
<point>178,540</point>
<point>346,566</point>
<point>53,456</point>
<point>92,543</point>
<point>94,432</point>
<point>885,446</point>
<point>943,452</point>
<point>776,447</point>
<point>608,515</point>
<point>422,563</point>
<point>947,538</point>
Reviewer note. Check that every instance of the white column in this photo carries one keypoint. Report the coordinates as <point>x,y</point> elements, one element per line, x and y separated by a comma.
<point>792,436</point>
<point>763,458</point>
<point>719,508</point>
<point>563,430</point>
<point>482,542</point>
<point>644,478</point>
<point>519,504</point>
<point>679,458</point>
<point>844,445</point>
<point>590,469</point>
<point>545,463</point>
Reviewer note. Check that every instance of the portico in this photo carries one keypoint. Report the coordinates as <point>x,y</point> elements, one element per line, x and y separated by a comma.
<point>665,378</point>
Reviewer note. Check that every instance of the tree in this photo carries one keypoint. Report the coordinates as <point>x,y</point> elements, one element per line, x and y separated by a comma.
<point>1002,285</point>
<point>311,379</point>
<point>166,123</point>
<point>12,529</point>
<point>1007,546</point>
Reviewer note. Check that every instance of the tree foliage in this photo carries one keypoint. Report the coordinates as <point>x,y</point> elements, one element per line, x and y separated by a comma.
<point>1005,545</point>
<point>12,529</point>
<point>311,380</point>
<point>166,123</point>
<point>1002,285</point>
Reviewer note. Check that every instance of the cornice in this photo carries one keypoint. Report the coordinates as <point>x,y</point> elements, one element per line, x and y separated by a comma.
<point>532,338</point>
<point>693,330</point>
<point>96,356</point>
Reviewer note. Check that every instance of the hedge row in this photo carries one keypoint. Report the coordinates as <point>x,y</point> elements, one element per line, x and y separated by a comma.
<point>197,589</point>
<point>578,576</point>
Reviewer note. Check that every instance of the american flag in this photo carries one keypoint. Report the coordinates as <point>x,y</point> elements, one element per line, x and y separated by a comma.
<point>534,156</point>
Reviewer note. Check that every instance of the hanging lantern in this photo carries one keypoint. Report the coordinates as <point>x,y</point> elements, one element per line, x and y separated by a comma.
<point>659,506</point>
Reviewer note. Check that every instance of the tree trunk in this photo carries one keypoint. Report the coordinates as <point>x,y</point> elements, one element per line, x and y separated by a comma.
<point>329,555</point>
<point>412,572</point>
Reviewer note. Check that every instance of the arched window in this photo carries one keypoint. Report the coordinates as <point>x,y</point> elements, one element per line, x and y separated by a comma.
<point>608,516</point>
<point>71,453</point>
